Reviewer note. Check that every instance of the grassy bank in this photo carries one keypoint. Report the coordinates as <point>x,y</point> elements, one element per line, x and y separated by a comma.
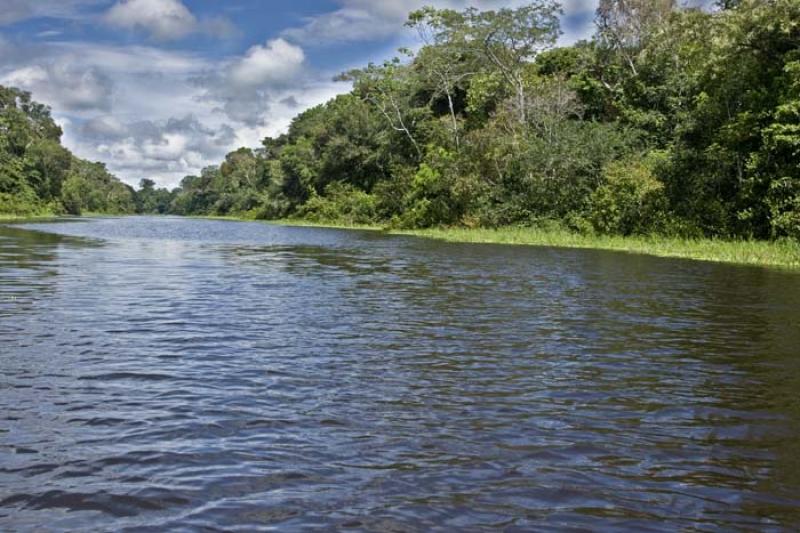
<point>5,217</point>
<point>337,225</point>
<point>782,254</point>
<point>785,254</point>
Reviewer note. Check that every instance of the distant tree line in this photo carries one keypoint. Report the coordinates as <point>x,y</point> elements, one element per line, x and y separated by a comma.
<point>39,176</point>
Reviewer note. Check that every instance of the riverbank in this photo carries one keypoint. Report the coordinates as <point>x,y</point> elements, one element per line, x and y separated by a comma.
<point>4,217</point>
<point>781,254</point>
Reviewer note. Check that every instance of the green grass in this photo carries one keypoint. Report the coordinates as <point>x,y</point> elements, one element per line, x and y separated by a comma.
<point>5,217</point>
<point>298,222</point>
<point>338,225</point>
<point>785,254</point>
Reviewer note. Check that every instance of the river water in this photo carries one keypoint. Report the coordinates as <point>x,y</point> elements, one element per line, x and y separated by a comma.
<point>178,374</point>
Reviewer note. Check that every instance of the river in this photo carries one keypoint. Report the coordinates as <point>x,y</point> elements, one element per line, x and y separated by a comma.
<point>182,374</point>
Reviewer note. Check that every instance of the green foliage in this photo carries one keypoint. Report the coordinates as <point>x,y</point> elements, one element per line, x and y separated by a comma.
<point>784,204</point>
<point>39,176</point>
<point>152,200</point>
<point>342,203</point>
<point>74,194</point>
<point>630,200</point>
<point>488,123</point>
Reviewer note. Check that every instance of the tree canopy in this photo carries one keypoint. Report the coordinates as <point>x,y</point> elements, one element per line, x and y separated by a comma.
<point>668,120</point>
<point>38,175</point>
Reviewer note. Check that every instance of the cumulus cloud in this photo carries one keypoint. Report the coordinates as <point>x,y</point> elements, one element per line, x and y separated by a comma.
<point>170,148</point>
<point>69,87</point>
<point>195,110</point>
<point>245,88</point>
<point>165,20</point>
<point>275,63</point>
<point>219,27</point>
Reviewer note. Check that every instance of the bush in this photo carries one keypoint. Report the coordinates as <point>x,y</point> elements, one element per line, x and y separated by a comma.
<point>21,204</point>
<point>341,202</point>
<point>73,194</point>
<point>629,200</point>
<point>784,203</point>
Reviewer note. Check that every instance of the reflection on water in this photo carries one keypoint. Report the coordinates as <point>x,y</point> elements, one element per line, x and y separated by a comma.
<point>166,373</point>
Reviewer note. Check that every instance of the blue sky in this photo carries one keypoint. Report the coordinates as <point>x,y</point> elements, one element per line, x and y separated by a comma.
<point>162,88</point>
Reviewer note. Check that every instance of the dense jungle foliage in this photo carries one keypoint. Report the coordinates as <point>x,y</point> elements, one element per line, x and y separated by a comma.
<point>39,176</point>
<point>670,120</point>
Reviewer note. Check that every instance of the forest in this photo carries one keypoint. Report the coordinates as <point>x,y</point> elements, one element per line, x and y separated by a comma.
<point>38,176</point>
<point>670,120</point>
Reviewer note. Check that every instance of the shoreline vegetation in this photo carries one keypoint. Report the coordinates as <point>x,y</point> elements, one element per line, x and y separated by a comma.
<point>642,138</point>
<point>783,253</point>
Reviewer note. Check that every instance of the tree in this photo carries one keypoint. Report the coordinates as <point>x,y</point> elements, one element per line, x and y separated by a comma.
<point>626,25</point>
<point>37,174</point>
<point>511,38</point>
<point>48,163</point>
<point>445,60</point>
<point>388,88</point>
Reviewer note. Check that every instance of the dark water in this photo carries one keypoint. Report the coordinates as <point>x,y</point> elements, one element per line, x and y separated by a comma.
<point>169,374</point>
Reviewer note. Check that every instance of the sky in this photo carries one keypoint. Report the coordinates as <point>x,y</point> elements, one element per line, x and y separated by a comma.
<point>160,89</point>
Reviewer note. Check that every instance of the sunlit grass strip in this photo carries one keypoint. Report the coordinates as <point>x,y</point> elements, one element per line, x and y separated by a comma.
<point>5,217</point>
<point>784,254</point>
<point>335,224</point>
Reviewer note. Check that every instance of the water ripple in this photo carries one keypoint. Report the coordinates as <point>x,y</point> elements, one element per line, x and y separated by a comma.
<point>174,374</point>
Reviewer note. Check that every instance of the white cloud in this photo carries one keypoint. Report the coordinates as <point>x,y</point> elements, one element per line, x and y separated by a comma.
<point>70,87</point>
<point>219,27</point>
<point>164,19</point>
<point>168,149</point>
<point>104,126</point>
<point>245,88</point>
<point>275,63</point>
<point>14,10</point>
<point>156,119</point>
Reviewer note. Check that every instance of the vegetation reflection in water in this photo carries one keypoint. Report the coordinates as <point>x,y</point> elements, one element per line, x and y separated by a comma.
<point>172,372</point>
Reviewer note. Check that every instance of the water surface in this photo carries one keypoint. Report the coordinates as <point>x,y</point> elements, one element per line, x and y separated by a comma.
<point>163,373</point>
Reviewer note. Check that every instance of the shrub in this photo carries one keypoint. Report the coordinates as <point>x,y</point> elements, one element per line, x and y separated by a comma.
<point>24,204</point>
<point>629,200</point>
<point>784,203</point>
<point>340,203</point>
